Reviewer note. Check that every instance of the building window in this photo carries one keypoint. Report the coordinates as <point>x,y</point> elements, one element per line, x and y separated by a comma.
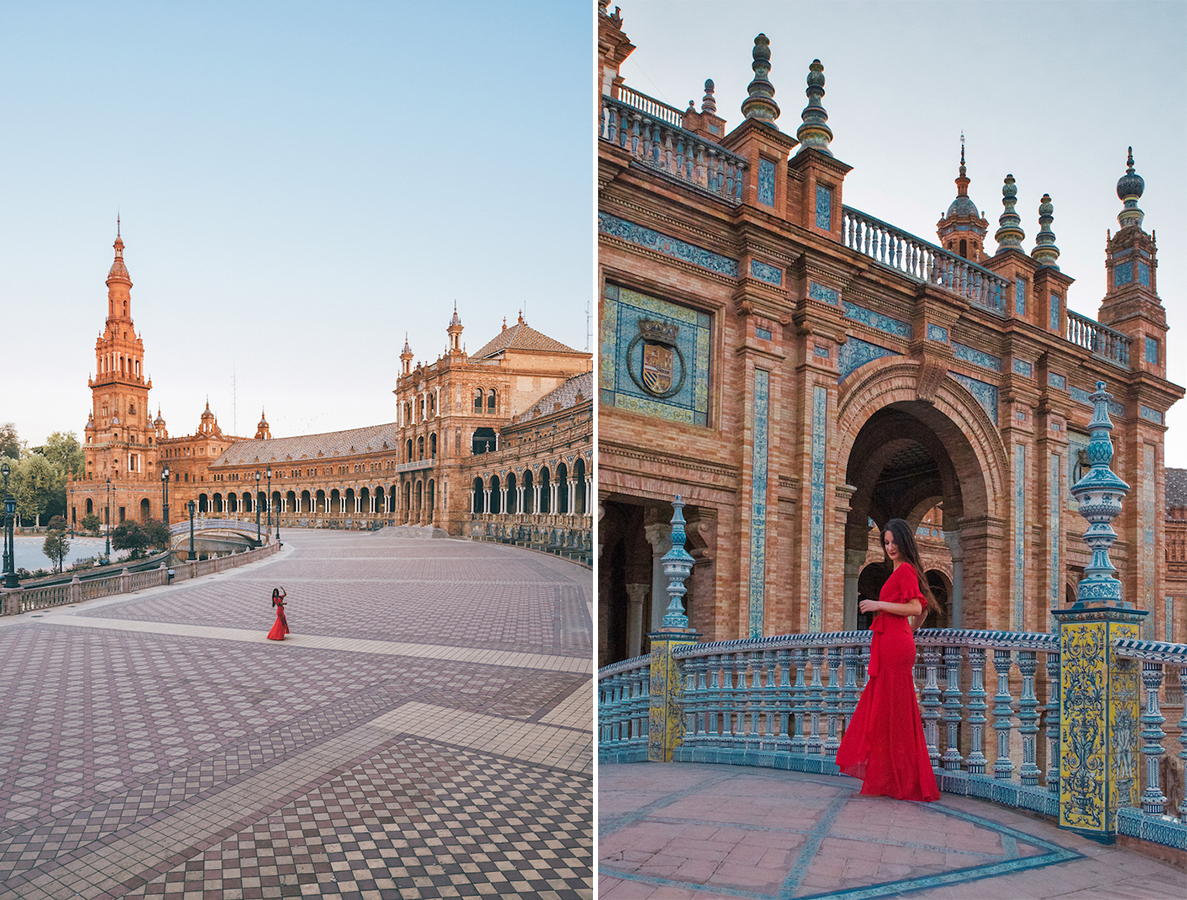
<point>478,400</point>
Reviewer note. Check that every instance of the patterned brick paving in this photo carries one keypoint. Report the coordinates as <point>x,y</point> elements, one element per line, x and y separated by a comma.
<point>706,832</point>
<point>141,764</point>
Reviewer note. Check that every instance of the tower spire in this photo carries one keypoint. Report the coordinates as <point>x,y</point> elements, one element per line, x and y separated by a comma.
<point>1129,190</point>
<point>814,132</point>
<point>1045,253</point>
<point>760,103</point>
<point>1009,233</point>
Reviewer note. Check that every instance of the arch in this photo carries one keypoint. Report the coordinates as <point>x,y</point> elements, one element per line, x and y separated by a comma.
<point>941,588</point>
<point>419,501</point>
<point>408,451</point>
<point>562,488</point>
<point>305,503</point>
<point>364,501</point>
<point>529,501</point>
<point>512,499</point>
<point>320,503</point>
<point>407,501</point>
<point>274,505</point>
<point>335,507</point>
<point>203,503</point>
<point>495,505</point>
<point>145,510</point>
<point>90,507</point>
<point>380,501</point>
<point>218,502</point>
<point>491,401</point>
<point>290,503</point>
<point>431,487</point>
<point>478,400</point>
<point>579,477</point>
<point>484,441</point>
<point>545,487</point>
<point>433,445</point>
<point>420,447</point>
<point>479,495</point>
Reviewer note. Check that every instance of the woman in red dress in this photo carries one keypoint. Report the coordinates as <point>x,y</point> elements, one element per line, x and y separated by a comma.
<point>884,744</point>
<point>281,628</point>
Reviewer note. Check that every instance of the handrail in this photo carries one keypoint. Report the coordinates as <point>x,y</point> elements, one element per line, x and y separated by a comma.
<point>649,105</point>
<point>922,260</point>
<point>1111,346</point>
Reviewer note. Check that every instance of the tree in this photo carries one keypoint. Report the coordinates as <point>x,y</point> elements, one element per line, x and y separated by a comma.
<point>35,486</point>
<point>10,443</point>
<point>157,533</point>
<point>128,535</point>
<point>90,522</point>
<point>64,452</point>
<point>57,543</point>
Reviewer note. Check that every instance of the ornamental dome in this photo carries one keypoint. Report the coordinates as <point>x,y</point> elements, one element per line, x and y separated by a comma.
<point>1131,184</point>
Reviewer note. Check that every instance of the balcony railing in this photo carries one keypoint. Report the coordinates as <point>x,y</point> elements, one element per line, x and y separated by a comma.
<point>649,133</point>
<point>1111,346</point>
<point>923,261</point>
<point>784,702</point>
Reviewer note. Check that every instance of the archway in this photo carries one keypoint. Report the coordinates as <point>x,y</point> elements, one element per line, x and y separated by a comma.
<point>495,505</point>
<point>512,498</point>
<point>478,497</point>
<point>562,488</point>
<point>545,487</point>
<point>529,504</point>
<point>145,510</point>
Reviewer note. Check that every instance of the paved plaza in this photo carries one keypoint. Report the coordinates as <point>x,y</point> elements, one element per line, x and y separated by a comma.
<point>425,731</point>
<point>683,831</point>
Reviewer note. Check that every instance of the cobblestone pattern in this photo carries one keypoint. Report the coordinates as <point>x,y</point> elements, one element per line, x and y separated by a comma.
<point>127,759</point>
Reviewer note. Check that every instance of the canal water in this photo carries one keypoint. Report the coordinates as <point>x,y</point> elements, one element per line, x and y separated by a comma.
<point>29,556</point>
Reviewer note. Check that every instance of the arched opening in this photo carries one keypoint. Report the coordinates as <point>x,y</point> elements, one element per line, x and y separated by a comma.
<point>529,500</point>
<point>478,496</point>
<point>432,501</point>
<point>581,487</point>
<point>145,510</point>
<point>941,589</point>
<point>478,400</point>
<point>408,451</point>
<point>218,503</point>
<point>364,501</point>
<point>484,440</point>
<point>433,445</point>
<point>964,248</point>
<point>545,487</point>
<point>90,507</point>
<point>305,503</point>
<point>419,499</point>
<point>335,503</point>
<point>495,505</point>
<point>380,501</point>
<point>490,401</point>
<point>290,503</point>
<point>512,499</point>
<point>420,447</point>
<point>562,488</point>
<point>407,501</point>
<point>320,506</point>
<point>351,502</point>
<point>203,503</point>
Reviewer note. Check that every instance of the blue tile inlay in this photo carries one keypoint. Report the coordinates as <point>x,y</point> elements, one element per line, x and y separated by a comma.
<point>1019,535</point>
<point>1122,274</point>
<point>976,357</point>
<point>1055,312</point>
<point>763,333</point>
<point>823,294</point>
<point>1152,351</point>
<point>621,353</point>
<point>758,503</point>
<point>1149,414</point>
<point>766,182</point>
<point>937,333</point>
<point>1082,396</point>
<point>855,353</point>
<point>1020,296</point>
<point>1143,274</point>
<point>876,320</point>
<point>985,394</point>
<point>821,351</point>
<point>811,846</point>
<point>1056,381</point>
<point>669,246</point>
<point>764,272</point>
<point>816,538</point>
<point>824,207</point>
<point>1022,367</point>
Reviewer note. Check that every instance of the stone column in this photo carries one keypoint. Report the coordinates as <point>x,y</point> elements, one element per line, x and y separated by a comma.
<point>503,500</point>
<point>659,536</point>
<point>853,562</point>
<point>634,619</point>
<point>952,539</point>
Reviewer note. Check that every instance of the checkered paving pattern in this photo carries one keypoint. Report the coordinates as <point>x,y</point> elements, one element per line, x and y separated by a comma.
<point>131,760</point>
<point>409,590</point>
<point>687,830</point>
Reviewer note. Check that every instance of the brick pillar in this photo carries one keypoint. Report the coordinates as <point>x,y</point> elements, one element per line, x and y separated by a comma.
<point>634,619</point>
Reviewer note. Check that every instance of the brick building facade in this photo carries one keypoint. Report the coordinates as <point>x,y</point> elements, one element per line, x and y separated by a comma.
<point>800,372</point>
<point>417,470</point>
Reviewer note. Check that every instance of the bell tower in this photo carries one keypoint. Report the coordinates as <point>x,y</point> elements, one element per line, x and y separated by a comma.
<point>120,432</point>
<point>962,229</point>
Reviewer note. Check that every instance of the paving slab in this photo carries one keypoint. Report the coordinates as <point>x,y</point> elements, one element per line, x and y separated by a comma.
<point>685,830</point>
<point>425,731</point>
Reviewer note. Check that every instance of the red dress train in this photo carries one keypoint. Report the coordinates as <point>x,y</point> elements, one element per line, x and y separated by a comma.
<point>281,627</point>
<point>884,743</point>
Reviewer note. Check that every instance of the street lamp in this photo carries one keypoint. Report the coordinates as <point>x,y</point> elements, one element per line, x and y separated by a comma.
<point>165,492</point>
<point>191,529</point>
<point>257,506</point>
<point>269,474</point>
<point>109,518</point>
<point>10,579</point>
<point>70,512</point>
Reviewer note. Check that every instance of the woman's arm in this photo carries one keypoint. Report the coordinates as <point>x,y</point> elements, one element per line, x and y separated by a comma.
<point>909,608</point>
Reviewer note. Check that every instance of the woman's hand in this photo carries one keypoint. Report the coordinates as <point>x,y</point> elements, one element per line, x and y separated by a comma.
<point>870,606</point>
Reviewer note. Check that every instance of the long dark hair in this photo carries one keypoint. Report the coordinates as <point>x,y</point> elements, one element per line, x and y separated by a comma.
<point>905,541</point>
<point>275,596</point>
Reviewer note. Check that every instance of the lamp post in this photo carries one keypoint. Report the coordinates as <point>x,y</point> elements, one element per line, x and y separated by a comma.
<point>165,494</point>
<point>108,518</point>
<point>70,511</point>
<point>257,506</point>
<point>191,529</point>
<point>10,579</point>
<point>268,473</point>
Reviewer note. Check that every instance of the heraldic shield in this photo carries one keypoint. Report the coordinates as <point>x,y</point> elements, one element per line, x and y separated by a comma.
<point>654,361</point>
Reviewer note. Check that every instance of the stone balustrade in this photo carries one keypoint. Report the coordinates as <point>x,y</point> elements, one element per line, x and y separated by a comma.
<point>1102,341</point>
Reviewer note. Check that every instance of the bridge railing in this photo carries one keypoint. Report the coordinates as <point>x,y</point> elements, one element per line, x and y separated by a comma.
<point>990,714</point>
<point>19,600</point>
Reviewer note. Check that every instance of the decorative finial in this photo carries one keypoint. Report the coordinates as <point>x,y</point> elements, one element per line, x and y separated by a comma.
<point>708,103</point>
<point>677,565</point>
<point>760,104</point>
<point>1010,233</point>
<point>1129,190</point>
<point>1045,253</point>
<point>1099,494</point>
<point>814,132</point>
<point>962,153</point>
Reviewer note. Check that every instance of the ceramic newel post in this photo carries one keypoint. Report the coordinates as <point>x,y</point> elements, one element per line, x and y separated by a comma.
<point>1099,696</point>
<point>666,714</point>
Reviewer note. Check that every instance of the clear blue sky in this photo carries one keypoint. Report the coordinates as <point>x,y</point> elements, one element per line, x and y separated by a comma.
<point>300,185</point>
<point>1050,92</point>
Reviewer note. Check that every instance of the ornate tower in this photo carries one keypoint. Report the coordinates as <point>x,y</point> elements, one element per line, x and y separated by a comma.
<point>962,230</point>
<point>120,432</point>
<point>455,335</point>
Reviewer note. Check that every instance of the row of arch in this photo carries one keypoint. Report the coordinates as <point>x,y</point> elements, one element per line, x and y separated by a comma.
<point>558,491</point>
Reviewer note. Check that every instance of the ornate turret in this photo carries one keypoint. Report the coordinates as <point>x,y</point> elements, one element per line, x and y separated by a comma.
<point>263,432</point>
<point>1045,253</point>
<point>760,103</point>
<point>455,333</point>
<point>159,426</point>
<point>1009,233</point>
<point>206,422</point>
<point>814,132</point>
<point>962,229</point>
<point>406,357</point>
<point>1129,191</point>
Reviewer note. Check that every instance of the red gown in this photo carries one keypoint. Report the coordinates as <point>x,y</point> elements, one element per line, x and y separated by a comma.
<point>884,743</point>
<point>281,628</point>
